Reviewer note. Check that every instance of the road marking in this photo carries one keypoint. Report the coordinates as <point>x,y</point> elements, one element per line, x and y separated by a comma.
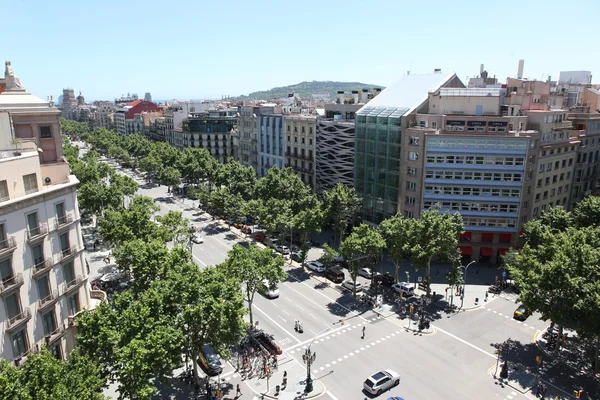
<point>313,316</point>
<point>201,262</point>
<point>351,354</point>
<point>340,359</point>
<point>331,395</point>
<point>328,365</point>
<point>314,333</point>
<point>315,339</point>
<point>465,342</point>
<point>285,312</point>
<point>299,307</point>
<point>280,327</point>
<point>283,319</point>
<point>332,363</point>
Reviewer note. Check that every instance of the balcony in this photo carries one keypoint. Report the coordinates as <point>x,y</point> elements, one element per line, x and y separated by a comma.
<point>45,303</point>
<point>7,246</point>
<point>62,222</point>
<point>71,286</point>
<point>38,233</point>
<point>42,267</point>
<point>54,336</point>
<point>68,253</point>
<point>17,321</point>
<point>11,283</point>
<point>562,125</point>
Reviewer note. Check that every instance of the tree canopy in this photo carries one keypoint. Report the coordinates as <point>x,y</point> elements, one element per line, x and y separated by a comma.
<point>342,205</point>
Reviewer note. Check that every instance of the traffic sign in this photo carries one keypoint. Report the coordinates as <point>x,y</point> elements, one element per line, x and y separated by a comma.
<point>420,279</point>
<point>503,273</point>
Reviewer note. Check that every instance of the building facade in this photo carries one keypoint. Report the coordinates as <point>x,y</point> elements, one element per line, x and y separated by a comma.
<point>246,136</point>
<point>44,277</point>
<point>271,142</point>
<point>300,153</point>
<point>125,117</point>
<point>586,174</point>
<point>211,130</point>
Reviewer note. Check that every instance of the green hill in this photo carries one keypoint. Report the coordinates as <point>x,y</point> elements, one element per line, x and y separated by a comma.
<point>306,89</point>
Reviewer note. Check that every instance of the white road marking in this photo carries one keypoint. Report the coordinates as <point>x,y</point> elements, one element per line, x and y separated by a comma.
<point>333,362</point>
<point>273,321</point>
<point>351,354</point>
<point>331,395</point>
<point>314,333</point>
<point>327,365</point>
<point>283,319</point>
<point>286,312</point>
<point>299,307</point>
<point>313,316</point>
<point>340,359</point>
<point>465,342</point>
<point>199,260</point>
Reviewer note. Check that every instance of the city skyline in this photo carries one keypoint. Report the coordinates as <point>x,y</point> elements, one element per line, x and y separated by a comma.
<point>210,51</point>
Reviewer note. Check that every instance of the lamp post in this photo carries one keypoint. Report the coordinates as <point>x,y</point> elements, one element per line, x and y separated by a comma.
<point>462,297</point>
<point>309,357</point>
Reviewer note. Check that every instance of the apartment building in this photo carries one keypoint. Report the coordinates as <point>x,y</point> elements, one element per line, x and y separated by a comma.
<point>586,175</point>
<point>125,117</point>
<point>271,142</point>
<point>43,273</point>
<point>246,135</point>
<point>212,130</point>
<point>301,144</point>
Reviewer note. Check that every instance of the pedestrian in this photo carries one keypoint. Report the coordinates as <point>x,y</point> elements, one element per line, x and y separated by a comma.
<point>363,332</point>
<point>486,295</point>
<point>238,391</point>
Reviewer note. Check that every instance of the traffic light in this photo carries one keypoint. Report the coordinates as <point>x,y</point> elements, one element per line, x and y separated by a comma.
<point>578,393</point>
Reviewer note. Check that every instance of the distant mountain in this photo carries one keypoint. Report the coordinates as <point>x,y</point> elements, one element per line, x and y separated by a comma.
<point>306,89</point>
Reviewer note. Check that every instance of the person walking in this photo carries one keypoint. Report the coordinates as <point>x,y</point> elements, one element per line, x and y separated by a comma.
<point>238,391</point>
<point>363,332</point>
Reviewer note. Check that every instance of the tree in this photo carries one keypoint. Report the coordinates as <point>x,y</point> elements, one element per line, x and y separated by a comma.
<point>169,176</point>
<point>251,266</point>
<point>177,226</point>
<point>223,200</point>
<point>122,225</point>
<point>197,164</point>
<point>145,261</point>
<point>329,255</point>
<point>364,243</point>
<point>238,178</point>
<point>434,235</point>
<point>167,155</point>
<point>284,184</point>
<point>395,234</point>
<point>342,204</point>
<point>43,376</point>
<point>587,212</point>
<point>150,164</point>
<point>306,222</point>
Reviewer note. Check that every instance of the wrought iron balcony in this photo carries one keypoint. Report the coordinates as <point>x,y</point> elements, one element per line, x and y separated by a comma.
<point>42,267</point>
<point>46,302</point>
<point>7,245</point>
<point>10,283</point>
<point>37,233</point>
<point>68,253</point>
<point>18,320</point>
<point>63,221</point>
<point>72,286</point>
<point>54,336</point>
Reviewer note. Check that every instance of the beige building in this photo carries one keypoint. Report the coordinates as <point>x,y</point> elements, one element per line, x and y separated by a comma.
<point>301,144</point>
<point>43,274</point>
<point>586,176</point>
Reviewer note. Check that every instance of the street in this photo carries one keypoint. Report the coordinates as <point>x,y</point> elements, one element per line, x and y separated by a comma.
<point>455,360</point>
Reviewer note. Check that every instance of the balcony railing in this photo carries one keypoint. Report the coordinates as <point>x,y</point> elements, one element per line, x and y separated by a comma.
<point>37,233</point>
<point>18,320</point>
<point>42,267</point>
<point>562,125</point>
<point>98,294</point>
<point>47,301</point>
<point>71,286</point>
<point>63,221</point>
<point>7,245</point>
<point>10,283</point>
<point>54,336</point>
<point>67,253</point>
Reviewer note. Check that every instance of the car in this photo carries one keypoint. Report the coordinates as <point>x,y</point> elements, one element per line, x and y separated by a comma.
<point>521,313</point>
<point>338,259</point>
<point>335,274</point>
<point>246,229</point>
<point>296,256</point>
<point>316,266</point>
<point>270,291</point>
<point>197,238</point>
<point>381,381</point>
<point>238,225</point>
<point>365,272</point>
<point>259,237</point>
<point>282,249</point>
<point>351,286</point>
<point>495,289</point>
<point>404,288</point>
<point>209,360</point>
<point>385,280</point>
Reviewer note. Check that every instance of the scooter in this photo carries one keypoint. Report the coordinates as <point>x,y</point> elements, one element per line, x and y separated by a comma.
<point>298,327</point>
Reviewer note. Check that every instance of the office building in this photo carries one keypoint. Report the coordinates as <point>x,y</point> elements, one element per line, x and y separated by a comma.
<point>271,142</point>
<point>301,144</point>
<point>211,130</point>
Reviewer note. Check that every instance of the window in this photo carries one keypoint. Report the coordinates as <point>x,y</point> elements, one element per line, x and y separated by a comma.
<point>536,211</point>
<point>556,164</point>
<point>64,242</point>
<point>73,304</point>
<point>310,140</point>
<point>303,130</point>
<point>37,253</point>
<point>414,140</point>
<point>45,132</point>
<point>6,272</point>
<point>303,141</point>
<point>60,213</point>
<point>43,285</point>
<point>19,343</point>
<point>412,171</point>
<point>537,197</point>
<point>310,132</point>
<point>411,185</point>
<point>68,272</point>
<point>409,214</point>
<point>539,183</point>
<point>410,200</point>
<point>554,178</point>
<point>542,166</point>
<point>49,323</point>
<point>545,195</point>
<point>547,181</point>
<point>3,191</point>
<point>413,156</point>
<point>32,224</point>
<point>30,183</point>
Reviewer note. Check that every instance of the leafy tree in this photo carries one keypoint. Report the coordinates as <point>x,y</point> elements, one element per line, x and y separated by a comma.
<point>284,184</point>
<point>122,225</point>
<point>364,243</point>
<point>151,164</point>
<point>251,266</point>
<point>306,222</point>
<point>395,233</point>
<point>238,178</point>
<point>170,176</point>
<point>145,261</point>
<point>178,227</point>
<point>329,254</point>
<point>167,155</point>
<point>342,204</point>
<point>587,212</point>
<point>137,145</point>
<point>197,164</point>
<point>73,128</point>
<point>434,235</point>
<point>70,152</point>
<point>455,277</point>
<point>223,200</point>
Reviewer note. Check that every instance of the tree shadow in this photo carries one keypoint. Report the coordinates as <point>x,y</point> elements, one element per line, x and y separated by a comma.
<point>297,274</point>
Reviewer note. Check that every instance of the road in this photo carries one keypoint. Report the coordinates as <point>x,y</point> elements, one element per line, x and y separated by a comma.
<point>454,362</point>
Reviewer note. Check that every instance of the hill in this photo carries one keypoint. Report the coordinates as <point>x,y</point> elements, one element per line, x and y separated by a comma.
<point>306,89</point>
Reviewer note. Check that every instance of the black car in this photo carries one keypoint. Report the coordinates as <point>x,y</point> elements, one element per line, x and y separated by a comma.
<point>494,289</point>
<point>385,280</point>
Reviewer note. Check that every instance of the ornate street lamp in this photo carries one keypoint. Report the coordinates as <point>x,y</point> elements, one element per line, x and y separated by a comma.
<point>308,357</point>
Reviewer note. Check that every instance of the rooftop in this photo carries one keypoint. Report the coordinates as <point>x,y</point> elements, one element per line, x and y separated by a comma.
<point>471,92</point>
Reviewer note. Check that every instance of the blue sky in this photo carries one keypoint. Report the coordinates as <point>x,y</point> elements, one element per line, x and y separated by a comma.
<point>205,49</point>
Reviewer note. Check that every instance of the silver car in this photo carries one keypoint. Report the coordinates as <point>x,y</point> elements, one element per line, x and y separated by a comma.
<point>381,381</point>
<point>350,286</point>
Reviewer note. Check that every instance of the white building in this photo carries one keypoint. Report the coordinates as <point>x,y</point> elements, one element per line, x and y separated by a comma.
<point>43,274</point>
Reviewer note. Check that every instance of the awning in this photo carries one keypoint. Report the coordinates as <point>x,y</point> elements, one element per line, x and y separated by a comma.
<point>486,252</point>
<point>465,250</point>
<point>487,236</point>
<point>502,252</point>
<point>466,236</point>
<point>505,237</point>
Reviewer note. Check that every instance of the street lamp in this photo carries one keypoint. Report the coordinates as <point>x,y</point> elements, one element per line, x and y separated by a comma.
<point>462,297</point>
<point>309,357</point>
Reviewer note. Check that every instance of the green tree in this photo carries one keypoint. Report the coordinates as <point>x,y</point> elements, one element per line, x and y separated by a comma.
<point>342,204</point>
<point>145,261</point>
<point>228,203</point>
<point>555,220</point>
<point>306,222</point>
<point>329,255</point>
<point>150,164</point>
<point>238,178</point>
<point>395,233</point>
<point>198,165</point>
<point>178,228</point>
<point>251,266</point>
<point>434,235</point>
<point>168,155</point>
<point>121,225</point>
<point>364,243</point>
<point>587,212</point>
<point>169,176</point>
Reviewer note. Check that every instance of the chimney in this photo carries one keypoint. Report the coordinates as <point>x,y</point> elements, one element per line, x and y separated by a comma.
<point>437,71</point>
<point>355,96</point>
<point>364,96</point>
<point>520,70</point>
<point>481,69</point>
<point>340,97</point>
<point>376,91</point>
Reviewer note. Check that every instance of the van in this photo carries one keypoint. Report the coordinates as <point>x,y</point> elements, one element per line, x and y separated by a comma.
<point>335,275</point>
<point>209,360</point>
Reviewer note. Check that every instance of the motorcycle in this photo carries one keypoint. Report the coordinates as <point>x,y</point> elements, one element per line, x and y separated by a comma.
<point>298,327</point>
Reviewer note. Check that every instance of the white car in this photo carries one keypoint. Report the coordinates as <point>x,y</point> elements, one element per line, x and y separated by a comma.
<point>315,266</point>
<point>268,290</point>
<point>350,286</point>
<point>381,381</point>
<point>404,288</point>
<point>283,250</point>
<point>197,238</point>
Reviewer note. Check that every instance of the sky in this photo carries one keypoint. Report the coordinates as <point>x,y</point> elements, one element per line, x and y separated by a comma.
<point>208,49</point>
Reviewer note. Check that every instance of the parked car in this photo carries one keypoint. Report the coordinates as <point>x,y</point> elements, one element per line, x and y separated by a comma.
<point>381,381</point>
<point>259,237</point>
<point>209,359</point>
<point>282,249</point>
<point>494,289</point>
<point>246,229</point>
<point>404,288</point>
<point>521,313</point>
<point>365,272</point>
<point>334,274</point>
<point>338,259</point>
<point>316,266</point>
<point>385,280</point>
<point>270,291</point>
<point>350,286</point>
<point>197,238</point>
<point>296,256</point>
